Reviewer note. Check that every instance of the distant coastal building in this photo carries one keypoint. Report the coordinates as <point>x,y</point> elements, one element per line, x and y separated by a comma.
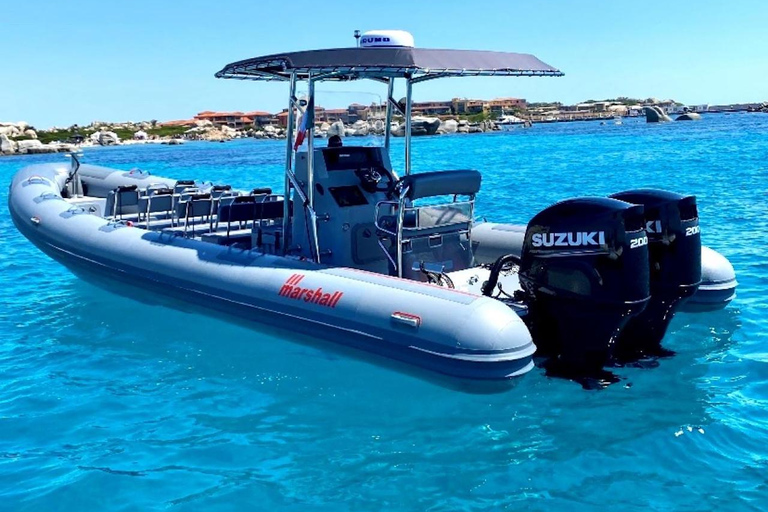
<point>467,106</point>
<point>232,119</point>
<point>282,117</point>
<point>335,114</point>
<point>500,105</point>
<point>354,112</point>
<point>432,108</point>
<point>496,106</point>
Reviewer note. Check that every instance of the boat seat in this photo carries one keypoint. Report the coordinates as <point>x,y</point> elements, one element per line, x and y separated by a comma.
<point>152,188</point>
<point>218,191</point>
<point>182,185</point>
<point>437,238</point>
<point>440,183</point>
<point>431,236</point>
<point>196,206</point>
<point>124,200</point>
<point>248,209</point>
<point>158,200</point>
<point>389,222</point>
<point>437,253</point>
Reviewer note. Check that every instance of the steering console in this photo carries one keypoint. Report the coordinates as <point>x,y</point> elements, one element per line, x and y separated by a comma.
<point>370,177</point>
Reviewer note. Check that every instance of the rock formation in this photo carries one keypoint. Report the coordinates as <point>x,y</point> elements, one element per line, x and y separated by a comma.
<point>655,115</point>
<point>689,116</point>
<point>104,137</point>
<point>7,146</point>
<point>337,128</point>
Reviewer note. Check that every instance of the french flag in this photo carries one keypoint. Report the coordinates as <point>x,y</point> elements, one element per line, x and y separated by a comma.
<point>302,132</point>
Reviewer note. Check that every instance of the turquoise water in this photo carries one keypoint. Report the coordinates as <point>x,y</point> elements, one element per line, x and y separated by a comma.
<point>111,404</point>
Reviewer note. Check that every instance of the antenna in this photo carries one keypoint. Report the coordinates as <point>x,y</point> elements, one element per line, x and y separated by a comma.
<point>357,38</point>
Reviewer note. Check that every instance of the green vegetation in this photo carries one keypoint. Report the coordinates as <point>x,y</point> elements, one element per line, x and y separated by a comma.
<point>67,134</point>
<point>168,131</point>
<point>479,117</point>
<point>621,99</point>
<point>544,104</point>
<point>63,135</point>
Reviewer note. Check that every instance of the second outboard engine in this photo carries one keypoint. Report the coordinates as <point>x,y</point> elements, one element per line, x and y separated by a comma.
<point>584,272</point>
<point>674,243</point>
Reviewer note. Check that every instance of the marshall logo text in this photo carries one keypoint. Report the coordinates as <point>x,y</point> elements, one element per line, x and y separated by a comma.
<point>292,289</point>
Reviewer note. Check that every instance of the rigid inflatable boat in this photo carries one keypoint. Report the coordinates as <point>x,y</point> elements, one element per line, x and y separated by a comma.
<point>387,262</point>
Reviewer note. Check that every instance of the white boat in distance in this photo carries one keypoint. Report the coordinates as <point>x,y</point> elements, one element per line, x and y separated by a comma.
<point>508,121</point>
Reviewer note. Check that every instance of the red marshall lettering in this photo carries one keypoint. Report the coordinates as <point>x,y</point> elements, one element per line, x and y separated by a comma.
<point>292,289</point>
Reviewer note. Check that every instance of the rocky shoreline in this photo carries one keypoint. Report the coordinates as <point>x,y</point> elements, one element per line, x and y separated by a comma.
<point>20,138</point>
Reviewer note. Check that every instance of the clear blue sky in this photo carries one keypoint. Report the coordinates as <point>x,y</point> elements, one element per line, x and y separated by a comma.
<point>79,61</point>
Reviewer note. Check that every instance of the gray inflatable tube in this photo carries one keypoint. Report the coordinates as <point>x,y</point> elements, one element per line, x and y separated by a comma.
<point>446,331</point>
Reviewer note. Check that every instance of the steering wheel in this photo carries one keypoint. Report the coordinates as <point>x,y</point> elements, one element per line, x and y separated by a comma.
<point>370,177</point>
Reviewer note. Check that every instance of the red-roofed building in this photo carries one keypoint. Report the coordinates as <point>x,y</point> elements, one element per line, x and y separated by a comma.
<point>336,114</point>
<point>500,105</point>
<point>261,118</point>
<point>432,108</point>
<point>236,119</point>
<point>282,117</point>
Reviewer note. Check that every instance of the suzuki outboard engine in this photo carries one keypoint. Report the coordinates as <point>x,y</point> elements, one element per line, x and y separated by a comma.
<point>674,244</point>
<point>584,271</point>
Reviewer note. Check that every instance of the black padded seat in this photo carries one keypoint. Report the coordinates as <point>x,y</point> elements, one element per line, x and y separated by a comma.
<point>241,211</point>
<point>157,200</point>
<point>246,209</point>
<point>440,183</point>
<point>183,185</point>
<point>124,200</point>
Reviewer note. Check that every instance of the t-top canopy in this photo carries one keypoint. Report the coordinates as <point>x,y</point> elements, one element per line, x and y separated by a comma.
<point>382,63</point>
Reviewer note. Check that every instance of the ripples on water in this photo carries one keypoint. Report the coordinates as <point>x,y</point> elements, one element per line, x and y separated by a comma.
<point>112,404</point>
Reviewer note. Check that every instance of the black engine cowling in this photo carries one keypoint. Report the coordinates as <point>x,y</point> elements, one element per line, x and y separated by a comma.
<point>584,270</point>
<point>674,243</point>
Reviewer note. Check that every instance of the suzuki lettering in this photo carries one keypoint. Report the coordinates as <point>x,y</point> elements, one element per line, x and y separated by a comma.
<point>577,239</point>
<point>653,226</point>
<point>292,290</point>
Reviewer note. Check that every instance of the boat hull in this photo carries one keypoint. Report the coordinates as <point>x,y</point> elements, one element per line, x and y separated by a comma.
<point>456,334</point>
